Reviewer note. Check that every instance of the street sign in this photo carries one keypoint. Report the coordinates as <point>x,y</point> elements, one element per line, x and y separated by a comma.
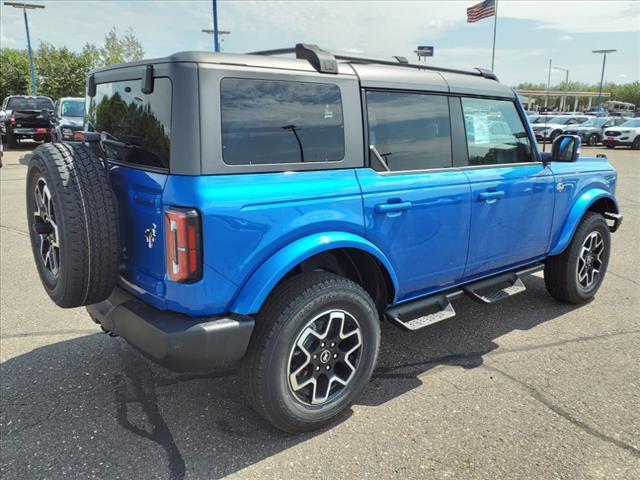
<point>424,51</point>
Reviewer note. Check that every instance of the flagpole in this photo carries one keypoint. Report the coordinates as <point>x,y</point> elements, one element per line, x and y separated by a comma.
<point>495,24</point>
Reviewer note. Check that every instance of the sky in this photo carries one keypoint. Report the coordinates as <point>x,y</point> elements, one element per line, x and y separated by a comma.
<point>529,33</point>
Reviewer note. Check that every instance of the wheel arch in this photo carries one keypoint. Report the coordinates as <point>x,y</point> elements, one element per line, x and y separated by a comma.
<point>342,253</point>
<point>593,200</point>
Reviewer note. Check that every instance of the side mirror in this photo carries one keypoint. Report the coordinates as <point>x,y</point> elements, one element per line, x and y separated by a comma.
<point>566,148</point>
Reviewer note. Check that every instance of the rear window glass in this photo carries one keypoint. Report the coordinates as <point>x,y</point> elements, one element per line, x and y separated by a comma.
<point>21,103</point>
<point>271,122</point>
<point>135,127</point>
<point>72,108</point>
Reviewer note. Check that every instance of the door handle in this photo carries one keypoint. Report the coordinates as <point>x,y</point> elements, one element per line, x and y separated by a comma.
<point>484,196</point>
<point>393,207</point>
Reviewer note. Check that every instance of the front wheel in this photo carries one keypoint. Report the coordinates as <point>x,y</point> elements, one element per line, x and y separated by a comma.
<point>313,351</point>
<point>636,143</point>
<point>576,274</point>
<point>593,140</point>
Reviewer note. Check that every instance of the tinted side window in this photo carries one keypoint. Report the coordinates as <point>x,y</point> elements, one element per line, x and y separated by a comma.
<point>495,133</point>
<point>135,126</point>
<point>410,130</point>
<point>270,122</point>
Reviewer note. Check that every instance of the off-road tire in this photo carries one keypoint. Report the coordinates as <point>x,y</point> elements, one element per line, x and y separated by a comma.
<point>560,273</point>
<point>87,223</point>
<point>264,371</point>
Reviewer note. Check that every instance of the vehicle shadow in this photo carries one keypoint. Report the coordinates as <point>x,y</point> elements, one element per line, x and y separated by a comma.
<point>93,406</point>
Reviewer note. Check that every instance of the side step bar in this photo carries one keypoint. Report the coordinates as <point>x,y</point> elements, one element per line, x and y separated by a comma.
<point>514,287</point>
<point>427,311</point>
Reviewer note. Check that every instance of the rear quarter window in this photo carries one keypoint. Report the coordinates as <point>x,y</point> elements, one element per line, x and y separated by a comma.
<point>274,122</point>
<point>135,127</point>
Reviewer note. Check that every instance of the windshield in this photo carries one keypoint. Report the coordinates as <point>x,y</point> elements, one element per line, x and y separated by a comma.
<point>634,123</point>
<point>30,103</point>
<point>541,119</point>
<point>559,120</point>
<point>595,122</point>
<point>72,108</point>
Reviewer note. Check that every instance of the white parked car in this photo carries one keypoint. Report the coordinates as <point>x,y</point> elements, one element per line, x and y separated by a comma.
<point>626,134</point>
<point>557,125</point>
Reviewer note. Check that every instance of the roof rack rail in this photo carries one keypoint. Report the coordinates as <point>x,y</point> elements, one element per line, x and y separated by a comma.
<point>325,61</point>
<point>321,60</point>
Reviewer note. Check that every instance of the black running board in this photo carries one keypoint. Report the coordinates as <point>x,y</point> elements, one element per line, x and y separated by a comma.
<point>429,310</point>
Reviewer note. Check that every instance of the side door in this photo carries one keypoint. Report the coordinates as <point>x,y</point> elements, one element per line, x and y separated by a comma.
<point>416,205</point>
<point>512,192</point>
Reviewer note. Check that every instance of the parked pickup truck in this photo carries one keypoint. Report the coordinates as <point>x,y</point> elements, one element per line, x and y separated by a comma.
<point>272,211</point>
<point>26,117</point>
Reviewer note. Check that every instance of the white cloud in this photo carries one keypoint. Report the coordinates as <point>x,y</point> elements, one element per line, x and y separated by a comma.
<point>577,17</point>
<point>565,38</point>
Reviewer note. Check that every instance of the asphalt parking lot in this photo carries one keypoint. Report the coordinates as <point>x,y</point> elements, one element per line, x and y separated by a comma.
<point>528,388</point>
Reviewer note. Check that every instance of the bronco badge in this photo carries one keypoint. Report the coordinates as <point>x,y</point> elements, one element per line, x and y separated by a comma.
<point>150,235</point>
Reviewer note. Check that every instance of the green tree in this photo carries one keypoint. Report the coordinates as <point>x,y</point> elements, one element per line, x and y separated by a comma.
<point>14,72</point>
<point>62,72</point>
<point>120,49</point>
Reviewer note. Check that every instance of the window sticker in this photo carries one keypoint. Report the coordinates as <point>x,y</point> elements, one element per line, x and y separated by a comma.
<point>481,128</point>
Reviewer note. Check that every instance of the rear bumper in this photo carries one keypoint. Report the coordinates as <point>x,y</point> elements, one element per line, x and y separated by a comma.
<point>176,341</point>
<point>32,132</point>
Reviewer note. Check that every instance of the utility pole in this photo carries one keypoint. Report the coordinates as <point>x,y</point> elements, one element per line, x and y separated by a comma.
<point>25,7</point>
<point>604,62</point>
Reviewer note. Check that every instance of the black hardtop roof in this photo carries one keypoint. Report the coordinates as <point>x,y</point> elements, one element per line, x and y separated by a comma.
<point>311,58</point>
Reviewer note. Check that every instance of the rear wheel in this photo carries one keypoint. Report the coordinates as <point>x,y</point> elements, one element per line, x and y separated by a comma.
<point>636,143</point>
<point>313,351</point>
<point>73,225</point>
<point>593,139</point>
<point>576,274</point>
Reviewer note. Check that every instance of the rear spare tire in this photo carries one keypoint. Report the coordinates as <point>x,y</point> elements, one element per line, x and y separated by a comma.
<point>73,224</point>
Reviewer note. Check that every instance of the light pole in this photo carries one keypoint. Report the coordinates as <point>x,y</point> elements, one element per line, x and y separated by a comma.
<point>211,31</point>
<point>25,7</point>
<point>546,99</point>
<point>604,62</point>
<point>566,82</point>
<point>216,44</point>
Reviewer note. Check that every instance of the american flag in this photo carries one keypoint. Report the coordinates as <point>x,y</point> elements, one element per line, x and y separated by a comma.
<point>481,10</point>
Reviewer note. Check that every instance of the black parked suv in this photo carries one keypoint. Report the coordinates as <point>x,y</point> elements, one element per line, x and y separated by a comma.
<point>26,117</point>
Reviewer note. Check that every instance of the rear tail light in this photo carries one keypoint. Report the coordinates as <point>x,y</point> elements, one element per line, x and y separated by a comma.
<point>184,251</point>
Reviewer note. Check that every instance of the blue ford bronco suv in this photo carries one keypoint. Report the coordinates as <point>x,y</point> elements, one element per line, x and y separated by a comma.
<point>271,209</point>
